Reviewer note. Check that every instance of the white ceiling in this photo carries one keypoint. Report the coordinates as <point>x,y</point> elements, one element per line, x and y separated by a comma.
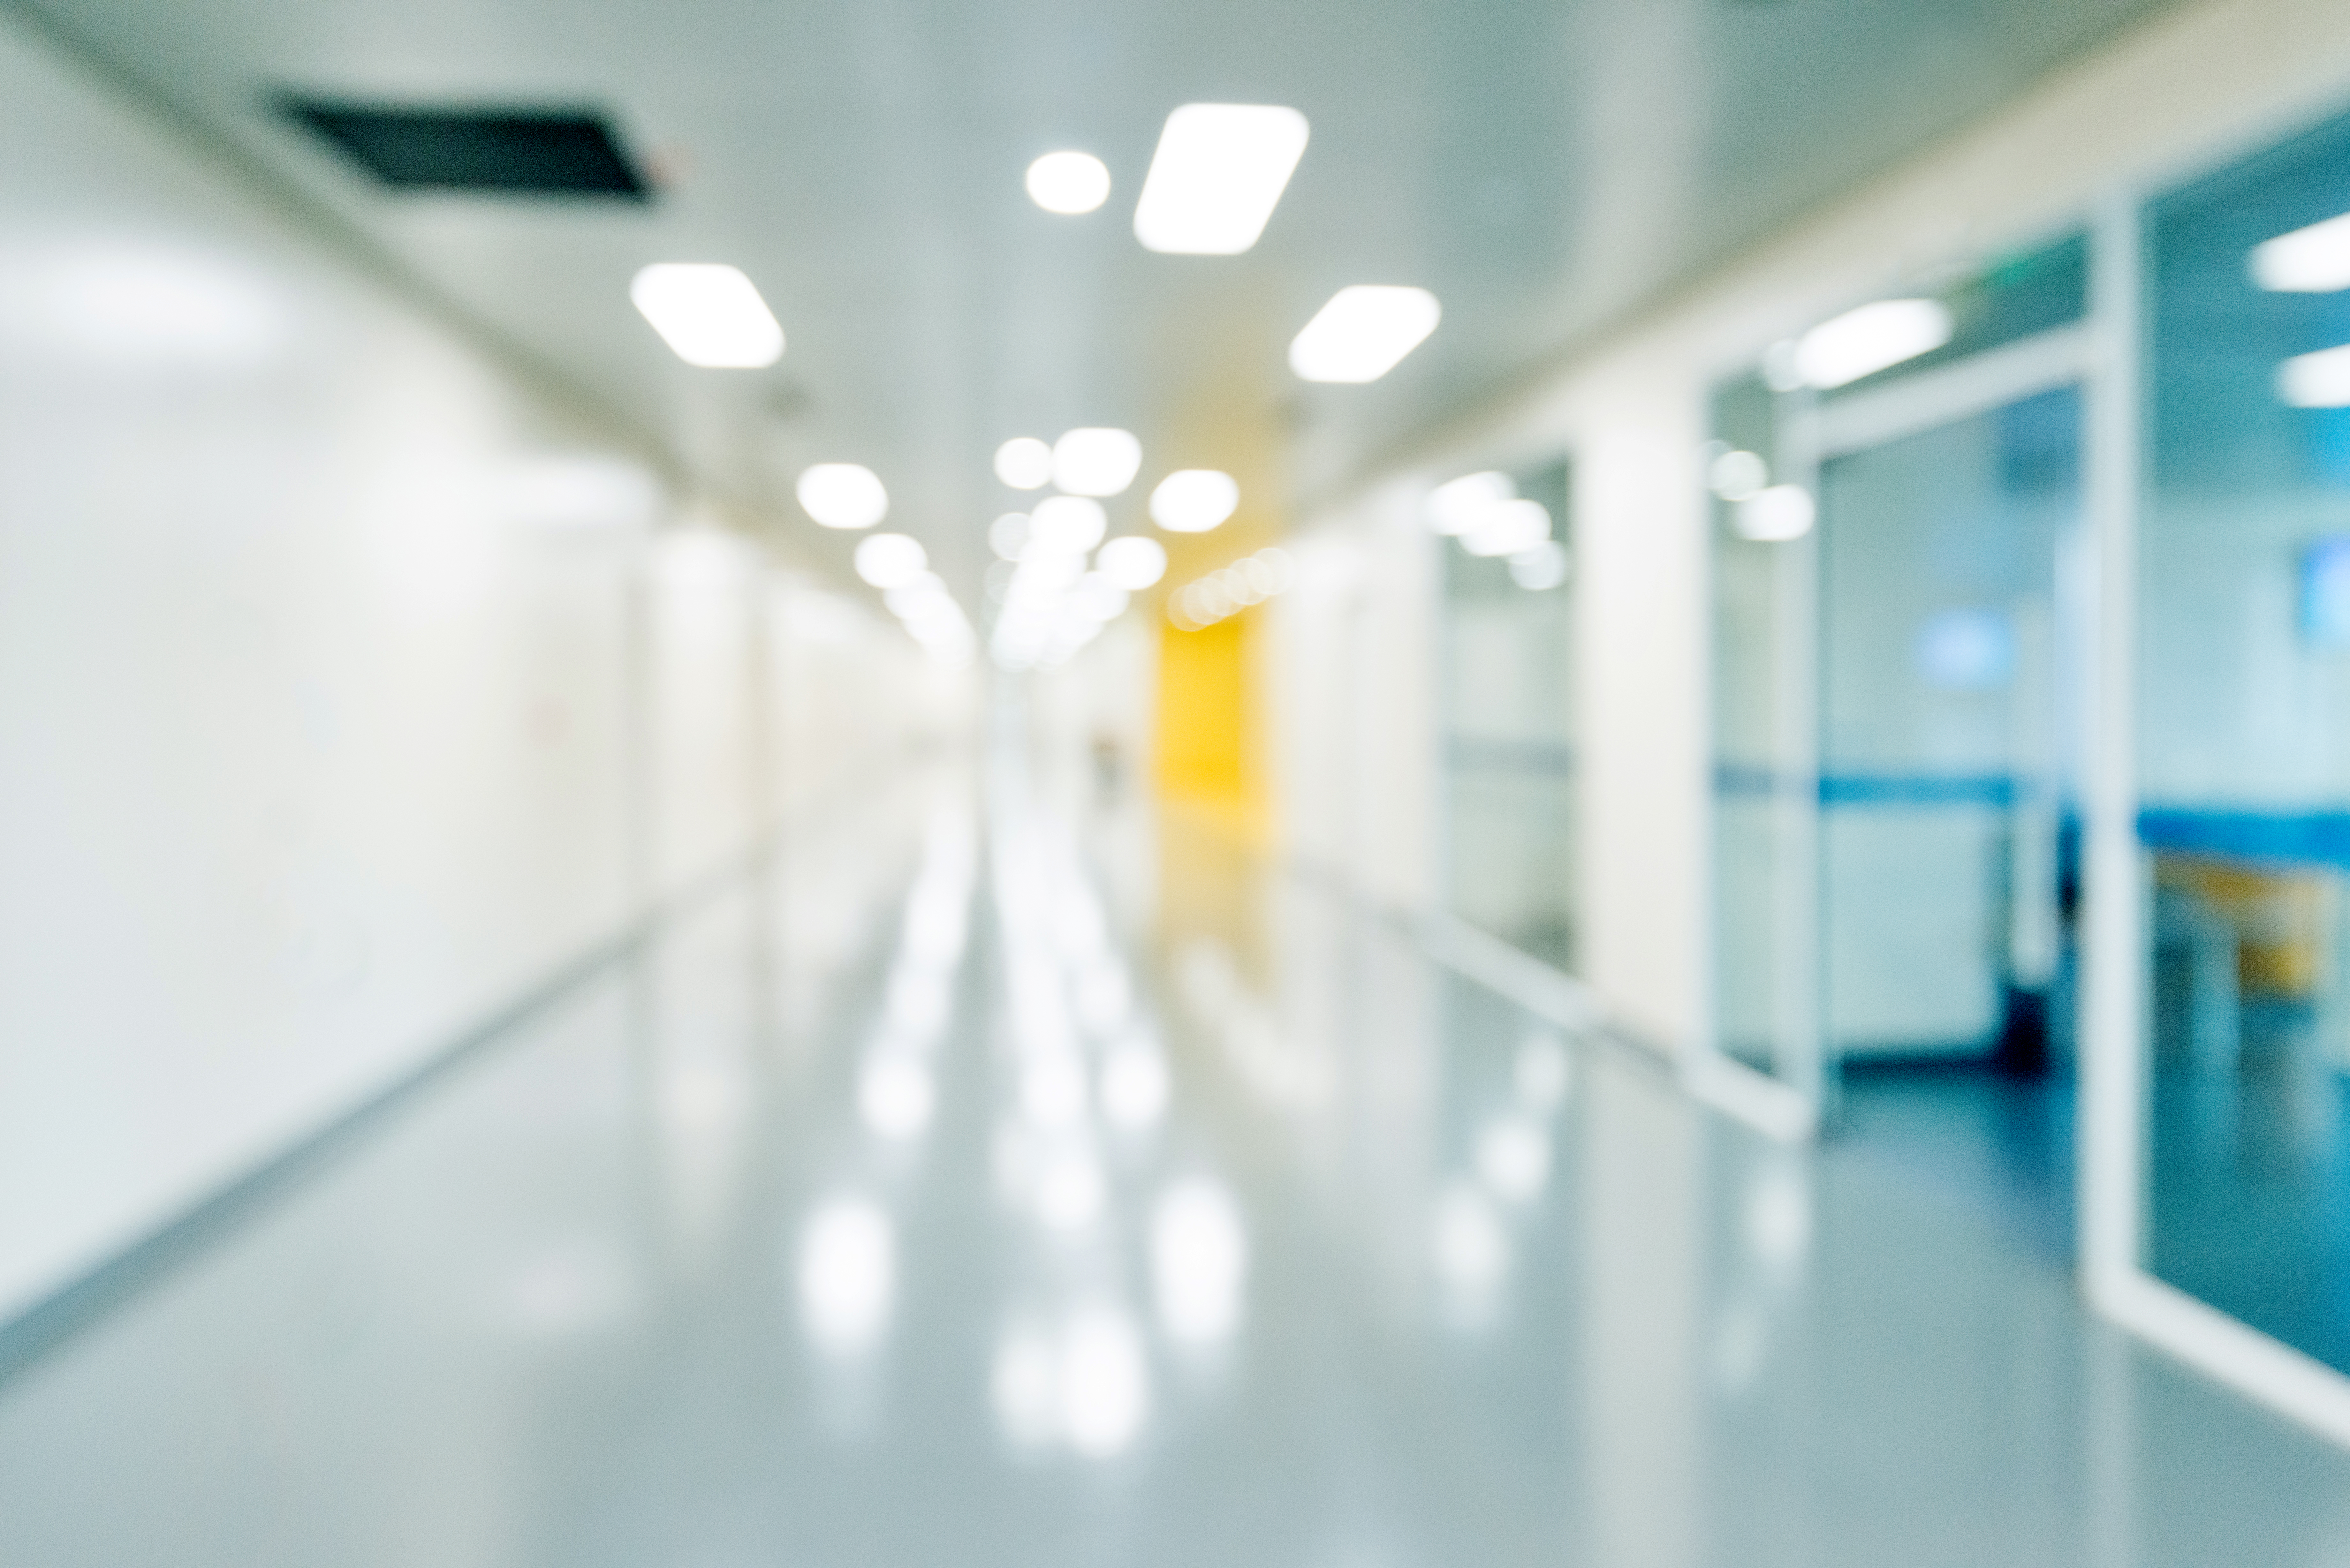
<point>1542,167</point>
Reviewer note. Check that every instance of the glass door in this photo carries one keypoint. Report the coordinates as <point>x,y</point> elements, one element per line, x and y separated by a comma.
<point>1896,540</point>
<point>1948,843</point>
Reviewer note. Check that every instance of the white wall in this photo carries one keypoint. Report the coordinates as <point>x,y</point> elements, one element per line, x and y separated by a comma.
<point>318,723</point>
<point>1348,667</point>
<point>2192,88</point>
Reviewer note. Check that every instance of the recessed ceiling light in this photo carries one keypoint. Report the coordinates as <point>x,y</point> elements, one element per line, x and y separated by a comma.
<point>1363,333</point>
<point>2315,260</point>
<point>891,560</point>
<point>843,496</point>
<point>1872,338</point>
<point>1096,461</point>
<point>709,314</point>
<point>1219,173</point>
<point>1133,562</point>
<point>1194,499</point>
<point>1068,182</point>
<point>1065,525</point>
<point>1023,462</point>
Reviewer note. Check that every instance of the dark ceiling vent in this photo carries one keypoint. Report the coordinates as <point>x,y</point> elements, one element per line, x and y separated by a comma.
<point>513,152</point>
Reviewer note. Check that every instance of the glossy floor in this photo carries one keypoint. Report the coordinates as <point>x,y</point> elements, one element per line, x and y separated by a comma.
<point>1017,1190</point>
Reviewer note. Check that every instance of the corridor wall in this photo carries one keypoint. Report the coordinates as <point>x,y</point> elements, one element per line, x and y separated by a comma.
<point>326,730</point>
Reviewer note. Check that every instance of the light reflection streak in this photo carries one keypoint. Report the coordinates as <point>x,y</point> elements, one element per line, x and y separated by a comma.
<point>847,1275</point>
<point>1134,1087</point>
<point>1068,1192</point>
<point>896,1097</point>
<point>1084,1385</point>
<point>1513,1158</point>
<point>897,1092</point>
<point>1282,1070</point>
<point>1470,1249</point>
<point>1198,1256</point>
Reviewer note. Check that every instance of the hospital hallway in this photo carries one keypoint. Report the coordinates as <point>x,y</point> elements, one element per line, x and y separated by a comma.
<point>975,1182</point>
<point>1123,784</point>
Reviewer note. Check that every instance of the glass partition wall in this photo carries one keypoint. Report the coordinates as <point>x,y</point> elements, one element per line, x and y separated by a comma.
<point>2032,764</point>
<point>1890,663</point>
<point>2243,752</point>
<point>1507,710</point>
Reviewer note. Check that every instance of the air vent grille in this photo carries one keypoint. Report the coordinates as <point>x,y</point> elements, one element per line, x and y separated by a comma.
<point>537,151</point>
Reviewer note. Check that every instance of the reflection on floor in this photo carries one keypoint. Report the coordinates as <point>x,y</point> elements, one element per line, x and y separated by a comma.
<point>2002,1144</point>
<point>1032,1192</point>
<point>2251,1181</point>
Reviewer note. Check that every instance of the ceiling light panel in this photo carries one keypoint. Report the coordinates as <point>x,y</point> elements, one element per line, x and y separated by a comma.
<point>709,314</point>
<point>1069,183</point>
<point>1065,525</point>
<point>1023,462</point>
<point>1132,562</point>
<point>1219,173</point>
<point>891,560</point>
<point>1363,333</point>
<point>1194,499</point>
<point>1096,461</point>
<point>843,496</point>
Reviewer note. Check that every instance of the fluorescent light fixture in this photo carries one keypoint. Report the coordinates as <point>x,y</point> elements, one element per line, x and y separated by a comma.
<point>709,314</point>
<point>1773,516</point>
<point>1068,182</point>
<point>847,1274</point>
<point>1133,562</point>
<point>1872,338</point>
<point>1363,333</point>
<point>891,560</point>
<point>1194,499</point>
<point>843,496</point>
<point>1096,461</point>
<point>1509,529</point>
<point>2319,381</point>
<point>2315,260</point>
<point>1067,526</point>
<point>1219,173</point>
<point>1455,507</point>
<point>1023,462</point>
